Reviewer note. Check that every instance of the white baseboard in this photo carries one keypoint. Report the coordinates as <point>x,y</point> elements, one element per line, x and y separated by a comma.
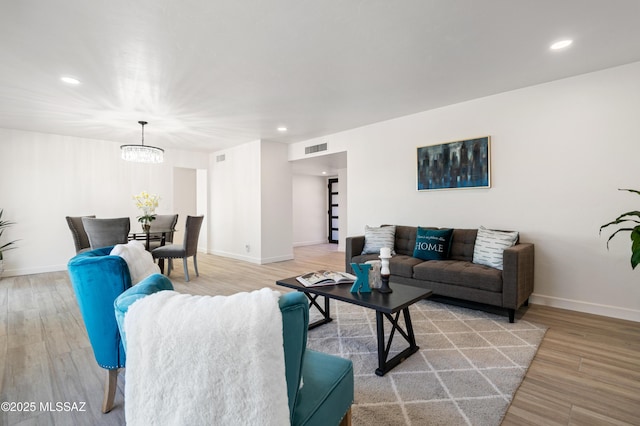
<point>31,271</point>
<point>236,256</point>
<point>309,243</point>
<point>586,307</point>
<point>255,260</point>
<point>277,259</point>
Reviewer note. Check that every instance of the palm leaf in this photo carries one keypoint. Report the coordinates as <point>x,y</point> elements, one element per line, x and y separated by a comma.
<point>623,218</point>
<point>3,247</point>
<point>3,225</point>
<point>618,230</point>
<point>627,217</point>
<point>630,190</point>
<point>635,247</point>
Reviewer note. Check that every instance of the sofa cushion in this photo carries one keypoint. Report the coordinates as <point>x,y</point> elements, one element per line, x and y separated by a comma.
<point>432,244</point>
<point>406,239</point>
<point>490,246</point>
<point>363,258</point>
<point>462,244</point>
<point>461,273</point>
<point>376,238</point>
<point>402,265</point>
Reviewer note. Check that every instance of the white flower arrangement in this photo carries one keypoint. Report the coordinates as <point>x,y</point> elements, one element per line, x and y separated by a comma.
<point>148,204</point>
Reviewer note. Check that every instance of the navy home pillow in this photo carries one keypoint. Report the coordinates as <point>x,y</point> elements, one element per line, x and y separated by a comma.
<point>432,244</point>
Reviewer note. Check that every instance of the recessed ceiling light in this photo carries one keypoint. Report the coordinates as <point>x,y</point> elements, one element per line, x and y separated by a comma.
<point>561,44</point>
<point>324,173</point>
<point>282,129</point>
<point>70,80</point>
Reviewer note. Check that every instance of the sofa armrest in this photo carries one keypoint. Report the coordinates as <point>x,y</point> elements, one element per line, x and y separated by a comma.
<point>354,247</point>
<point>295,322</point>
<point>517,275</point>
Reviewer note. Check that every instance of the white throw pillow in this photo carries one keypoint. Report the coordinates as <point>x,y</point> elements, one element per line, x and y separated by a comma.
<point>490,246</point>
<point>376,238</point>
<point>139,260</point>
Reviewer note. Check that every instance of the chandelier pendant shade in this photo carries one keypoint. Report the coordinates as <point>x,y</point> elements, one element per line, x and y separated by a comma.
<point>142,153</point>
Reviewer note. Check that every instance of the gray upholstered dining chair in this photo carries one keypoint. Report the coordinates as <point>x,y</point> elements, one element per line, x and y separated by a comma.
<point>188,248</point>
<point>163,221</point>
<point>80,238</point>
<point>106,232</point>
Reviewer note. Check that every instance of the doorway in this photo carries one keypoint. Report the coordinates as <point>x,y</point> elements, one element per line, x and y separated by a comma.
<point>312,220</point>
<point>190,198</point>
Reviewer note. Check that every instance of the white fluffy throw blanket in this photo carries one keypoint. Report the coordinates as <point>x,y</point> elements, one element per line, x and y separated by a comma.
<point>202,360</point>
<point>139,260</point>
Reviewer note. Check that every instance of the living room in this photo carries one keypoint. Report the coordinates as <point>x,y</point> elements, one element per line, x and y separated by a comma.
<point>550,201</point>
<point>560,150</point>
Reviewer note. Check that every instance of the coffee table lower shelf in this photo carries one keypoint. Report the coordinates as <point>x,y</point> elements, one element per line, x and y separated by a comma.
<point>387,306</point>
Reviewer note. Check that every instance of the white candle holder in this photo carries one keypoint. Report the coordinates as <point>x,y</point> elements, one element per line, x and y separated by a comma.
<point>385,255</point>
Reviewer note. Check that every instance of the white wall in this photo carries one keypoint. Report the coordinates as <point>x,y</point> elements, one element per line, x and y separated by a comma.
<point>559,152</point>
<point>184,198</point>
<point>276,203</point>
<point>45,177</point>
<point>309,210</point>
<point>235,202</point>
<point>202,207</point>
<point>251,198</point>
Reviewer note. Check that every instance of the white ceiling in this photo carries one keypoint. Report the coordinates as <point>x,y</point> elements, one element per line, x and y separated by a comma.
<point>211,74</point>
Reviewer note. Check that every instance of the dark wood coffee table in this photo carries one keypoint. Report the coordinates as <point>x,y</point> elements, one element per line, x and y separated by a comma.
<point>387,306</point>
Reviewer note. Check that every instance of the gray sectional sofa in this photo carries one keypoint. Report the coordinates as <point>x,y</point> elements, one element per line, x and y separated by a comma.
<point>457,277</point>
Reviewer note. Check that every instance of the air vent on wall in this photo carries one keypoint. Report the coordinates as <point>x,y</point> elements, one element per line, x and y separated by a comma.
<point>315,148</point>
<point>220,158</point>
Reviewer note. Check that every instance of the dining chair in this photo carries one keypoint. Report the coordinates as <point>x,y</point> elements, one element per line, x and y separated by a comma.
<point>189,247</point>
<point>106,232</point>
<point>80,238</point>
<point>162,222</point>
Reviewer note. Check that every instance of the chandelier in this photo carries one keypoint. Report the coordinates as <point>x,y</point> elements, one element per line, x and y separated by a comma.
<point>142,153</point>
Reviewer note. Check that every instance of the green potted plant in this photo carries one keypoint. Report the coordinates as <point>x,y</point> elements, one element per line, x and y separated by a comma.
<point>4,224</point>
<point>633,217</point>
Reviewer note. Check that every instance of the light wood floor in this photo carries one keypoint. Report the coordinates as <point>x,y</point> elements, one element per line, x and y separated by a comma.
<point>586,372</point>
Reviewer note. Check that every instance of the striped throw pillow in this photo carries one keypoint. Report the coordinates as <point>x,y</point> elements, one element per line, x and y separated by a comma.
<point>490,245</point>
<point>376,238</point>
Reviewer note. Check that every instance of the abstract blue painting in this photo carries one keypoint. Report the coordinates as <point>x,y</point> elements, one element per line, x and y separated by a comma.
<point>455,165</point>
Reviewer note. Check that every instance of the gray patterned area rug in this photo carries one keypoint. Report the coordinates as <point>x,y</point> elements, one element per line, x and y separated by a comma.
<point>468,368</point>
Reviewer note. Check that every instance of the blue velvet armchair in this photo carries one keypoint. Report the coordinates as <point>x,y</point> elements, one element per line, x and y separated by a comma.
<point>327,392</point>
<point>98,279</point>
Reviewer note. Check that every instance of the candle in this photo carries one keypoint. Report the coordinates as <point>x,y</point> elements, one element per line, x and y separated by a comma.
<point>384,266</point>
<point>385,252</point>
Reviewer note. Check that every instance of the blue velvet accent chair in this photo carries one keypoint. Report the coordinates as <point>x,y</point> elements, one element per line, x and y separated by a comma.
<point>327,381</point>
<point>97,280</point>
